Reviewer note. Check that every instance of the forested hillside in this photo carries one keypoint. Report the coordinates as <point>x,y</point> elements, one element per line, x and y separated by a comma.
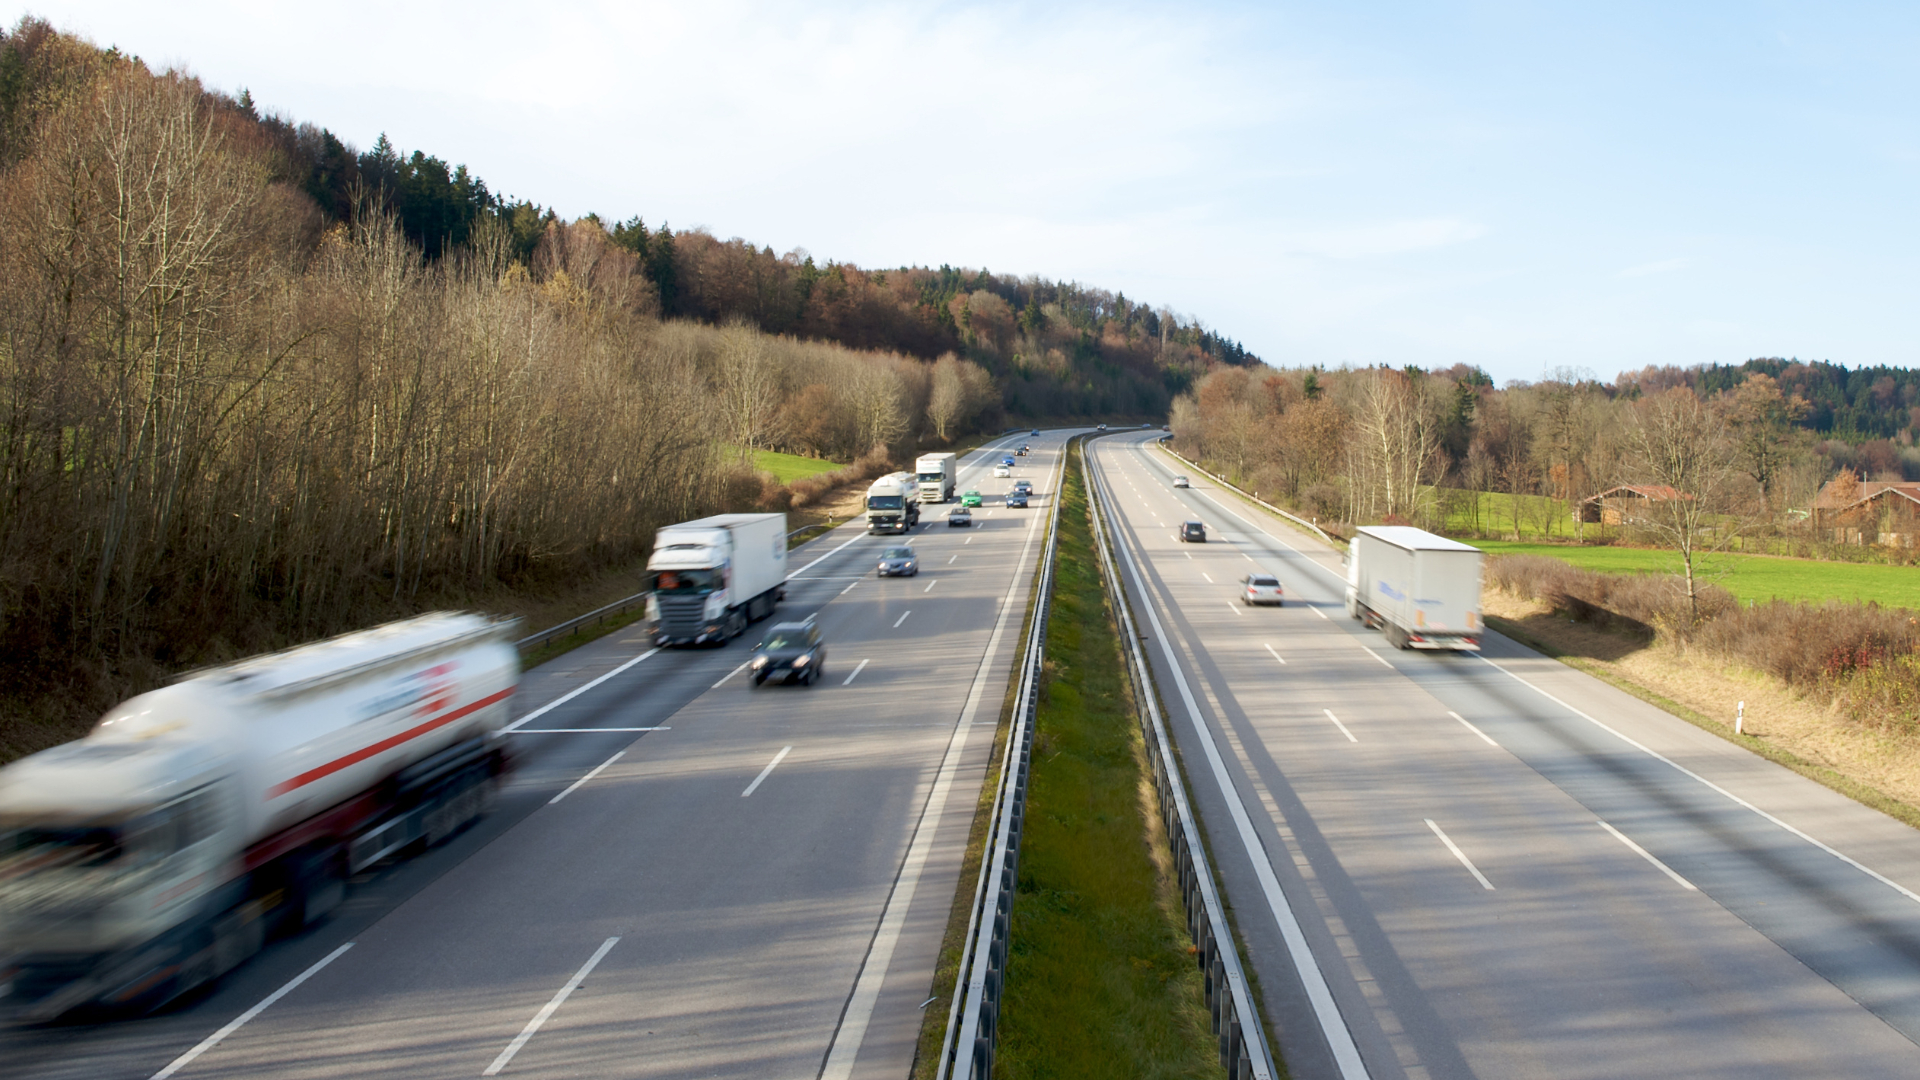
<point>256,387</point>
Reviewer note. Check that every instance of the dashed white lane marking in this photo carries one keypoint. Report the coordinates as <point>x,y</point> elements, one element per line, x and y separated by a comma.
<point>848,589</point>
<point>768,771</point>
<point>951,558</point>
<point>1461,855</point>
<point>1320,613</point>
<point>1378,657</point>
<point>1643,853</point>
<point>858,668</point>
<point>1235,608</point>
<point>547,1010</point>
<point>967,541</point>
<point>574,693</point>
<point>741,668</point>
<point>1476,731</point>
<point>1208,576</point>
<point>902,618</point>
<point>584,779</point>
<point>1276,655</point>
<point>1338,724</point>
<point>930,585</point>
<point>235,1024</point>
<point>824,558</point>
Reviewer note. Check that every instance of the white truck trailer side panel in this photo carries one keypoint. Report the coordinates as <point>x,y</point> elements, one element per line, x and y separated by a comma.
<point>759,554</point>
<point>1416,582</point>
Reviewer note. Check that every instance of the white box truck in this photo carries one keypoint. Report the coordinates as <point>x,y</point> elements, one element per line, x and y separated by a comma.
<point>712,577</point>
<point>1422,590</point>
<point>938,473</point>
<point>893,503</point>
<point>161,850</point>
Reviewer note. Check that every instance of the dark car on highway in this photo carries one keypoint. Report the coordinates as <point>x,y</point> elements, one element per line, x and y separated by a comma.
<point>1017,498</point>
<point>1194,531</point>
<point>793,652</point>
<point>898,561</point>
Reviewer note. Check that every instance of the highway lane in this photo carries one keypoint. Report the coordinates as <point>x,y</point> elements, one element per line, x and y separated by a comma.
<point>1435,825</point>
<point>748,856</point>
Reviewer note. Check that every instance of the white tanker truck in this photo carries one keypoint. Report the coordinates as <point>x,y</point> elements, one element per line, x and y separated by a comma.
<point>893,503</point>
<point>162,849</point>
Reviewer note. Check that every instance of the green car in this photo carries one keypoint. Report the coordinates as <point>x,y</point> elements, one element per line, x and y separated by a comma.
<point>970,498</point>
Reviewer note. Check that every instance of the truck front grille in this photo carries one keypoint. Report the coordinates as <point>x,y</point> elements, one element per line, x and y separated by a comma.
<point>682,616</point>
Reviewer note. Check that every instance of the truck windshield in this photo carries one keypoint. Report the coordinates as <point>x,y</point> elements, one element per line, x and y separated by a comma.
<point>24,851</point>
<point>883,502</point>
<point>932,477</point>
<point>685,581</point>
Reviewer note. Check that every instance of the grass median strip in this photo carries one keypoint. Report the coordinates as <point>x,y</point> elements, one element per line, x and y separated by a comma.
<point>1100,976</point>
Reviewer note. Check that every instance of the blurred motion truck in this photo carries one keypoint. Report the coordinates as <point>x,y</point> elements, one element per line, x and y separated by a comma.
<point>712,577</point>
<point>1422,590</point>
<point>194,821</point>
<point>938,473</point>
<point>893,504</point>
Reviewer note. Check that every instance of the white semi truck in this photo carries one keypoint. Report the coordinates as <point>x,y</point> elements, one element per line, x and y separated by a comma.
<point>712,577</point>
<point>1422,590</point>
<point>939,474</point>
<point>195,821</point>
<point>893,503</point>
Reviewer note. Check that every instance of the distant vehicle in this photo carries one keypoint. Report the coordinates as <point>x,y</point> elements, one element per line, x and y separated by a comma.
<point>1007,461</point>
<point>1017,498</point>
<point>1024,487</point>
<point>712,577</point>
<point>898,562</point>
<point>1193,532</point>
<point>1036,431</point>
<point>970,499</point>
<point>1422,590</point>
<point>792,653</point>
<point>893,504</point>
<point>1022,452</point>
<point>938,474</point>
<point>1180,481</point>
<point>1002,470</point>
<point>197,821</point>
<point>959,516</point>
<point>1262,589</point>
<point>1102,427</point>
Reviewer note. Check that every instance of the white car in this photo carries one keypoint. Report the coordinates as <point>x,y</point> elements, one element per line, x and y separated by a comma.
<point>1179,481</point>
<point>1262,589</point>
<point>1002,470</point>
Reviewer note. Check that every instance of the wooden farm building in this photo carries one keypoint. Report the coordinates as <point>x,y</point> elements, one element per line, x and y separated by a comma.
<point>1850,511</point>
<point>1625,505</point>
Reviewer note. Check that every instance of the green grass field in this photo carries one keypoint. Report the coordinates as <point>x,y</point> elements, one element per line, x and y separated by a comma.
<point>790,467</point>
<point>1756,578</point>
<point>1099,978</point>
<point>1539,515</point>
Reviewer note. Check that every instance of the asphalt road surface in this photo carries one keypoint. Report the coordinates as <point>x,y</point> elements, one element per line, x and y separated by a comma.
<point>688,877</point>
<point>1499,866</point>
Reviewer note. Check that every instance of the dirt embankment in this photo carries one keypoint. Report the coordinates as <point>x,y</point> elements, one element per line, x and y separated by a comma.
<point>1812,733</point>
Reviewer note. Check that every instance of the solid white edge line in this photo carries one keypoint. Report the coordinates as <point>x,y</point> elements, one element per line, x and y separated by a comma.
<point>1647,855</point>
<point>584,779</point>
<point>235,1024</point>
<point>852,1032</point>
<point>1483,735</point>
<point>583,730</point>
<point>858,668</point>
<point>1276,655</point>
<point>550,1007</point>
<point>1683,770</point>
<point>1338,724</point>
<point>1461,855</point>
<point>768,771</point>
<point>1316,610</point>
<point>574,693</point>
<point>902,618</point>
<point>738,670</point>
<point>1333,1024</point>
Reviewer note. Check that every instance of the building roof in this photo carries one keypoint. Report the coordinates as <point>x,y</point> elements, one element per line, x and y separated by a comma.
<point>1868,490</point>
<point>1650,492</point>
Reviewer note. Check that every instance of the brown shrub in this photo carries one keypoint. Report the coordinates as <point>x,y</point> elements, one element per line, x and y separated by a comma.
<point>808,490</point>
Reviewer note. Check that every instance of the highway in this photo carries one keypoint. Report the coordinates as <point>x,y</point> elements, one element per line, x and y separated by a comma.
<point>687,876</point>
<point>1496,866</point>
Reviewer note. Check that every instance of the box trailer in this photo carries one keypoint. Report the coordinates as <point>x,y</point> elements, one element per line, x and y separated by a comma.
<point>1422,590</point>
<point>712,577</point>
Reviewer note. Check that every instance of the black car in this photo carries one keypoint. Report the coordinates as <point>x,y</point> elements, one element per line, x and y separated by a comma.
<point>899,561</point>
<point>1194,531</point>
<point>792,653</point>
<point>1017,498</point>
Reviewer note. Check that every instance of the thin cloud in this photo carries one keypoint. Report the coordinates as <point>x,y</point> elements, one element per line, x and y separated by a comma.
<point>1664,266</point>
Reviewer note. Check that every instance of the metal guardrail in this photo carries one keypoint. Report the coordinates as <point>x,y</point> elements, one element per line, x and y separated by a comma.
<point>1243,1043</point>
<point>598,615</point>
<point>1249,496</point>
<point>974,1013</point>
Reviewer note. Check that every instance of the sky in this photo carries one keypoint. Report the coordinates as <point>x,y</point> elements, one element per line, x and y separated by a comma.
<point>1528,187</point>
